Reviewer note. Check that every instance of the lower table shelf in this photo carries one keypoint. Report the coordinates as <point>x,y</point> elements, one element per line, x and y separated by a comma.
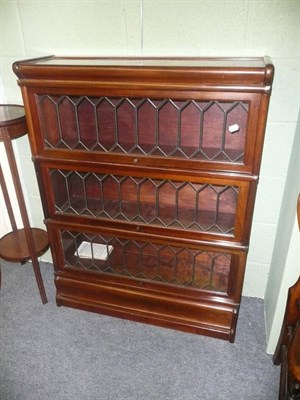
<point>14,248</point>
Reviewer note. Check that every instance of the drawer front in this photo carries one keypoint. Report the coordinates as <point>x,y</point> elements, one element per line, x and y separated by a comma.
<point>139,261</point>
<point>202,206</point>
<point>200,133</point>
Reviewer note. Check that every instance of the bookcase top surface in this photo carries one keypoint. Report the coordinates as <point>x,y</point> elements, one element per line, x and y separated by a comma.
<point>226,72</point>
<point>201,62</point>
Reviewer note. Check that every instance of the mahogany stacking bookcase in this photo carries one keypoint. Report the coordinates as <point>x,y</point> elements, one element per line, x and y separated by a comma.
<point>148,169</point>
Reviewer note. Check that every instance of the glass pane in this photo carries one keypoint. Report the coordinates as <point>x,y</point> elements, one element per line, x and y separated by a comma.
<point>179,266</point>
<point>211,131</point>
<point>161,202</point>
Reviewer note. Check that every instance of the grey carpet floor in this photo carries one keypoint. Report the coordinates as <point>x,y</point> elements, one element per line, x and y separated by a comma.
<point>52,353</point>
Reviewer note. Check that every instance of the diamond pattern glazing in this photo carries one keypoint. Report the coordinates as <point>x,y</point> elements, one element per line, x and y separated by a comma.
<point>168,203</point>
<point>172,265</point>
<point>186,129</point>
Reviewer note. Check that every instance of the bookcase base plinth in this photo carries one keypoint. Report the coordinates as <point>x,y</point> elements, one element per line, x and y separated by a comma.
<point>194,315</point>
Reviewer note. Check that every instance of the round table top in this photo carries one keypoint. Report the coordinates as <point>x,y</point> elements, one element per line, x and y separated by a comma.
<point>9,113</point>
<point>12,121</point>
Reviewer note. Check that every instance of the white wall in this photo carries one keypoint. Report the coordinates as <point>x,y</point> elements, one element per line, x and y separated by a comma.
<point>195,28</point>
<point>285,262</point>
<point>4,220</point>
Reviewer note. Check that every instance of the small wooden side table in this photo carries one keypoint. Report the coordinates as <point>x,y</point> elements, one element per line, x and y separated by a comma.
<point>19,245</point>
